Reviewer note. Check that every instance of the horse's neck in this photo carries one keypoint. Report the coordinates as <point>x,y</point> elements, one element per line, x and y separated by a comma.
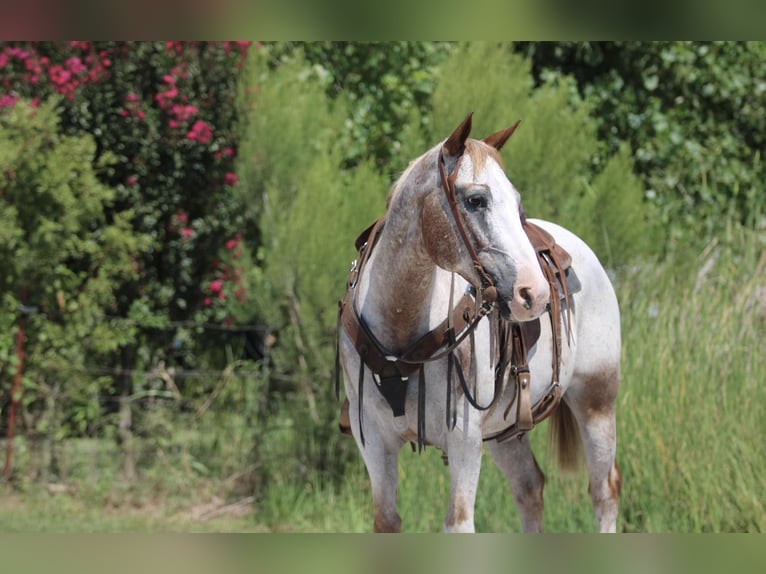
<point>398,288</point>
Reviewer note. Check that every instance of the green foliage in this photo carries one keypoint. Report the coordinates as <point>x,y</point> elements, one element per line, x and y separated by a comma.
<point>691,403</point>
<point>61,255</point>
<point>621,224</point>
<point>311,211</point>
<point>692,114</point>
<point>550,158</point>
<point>163,115</point>
<point>152,130</point>
<point>384,84</point>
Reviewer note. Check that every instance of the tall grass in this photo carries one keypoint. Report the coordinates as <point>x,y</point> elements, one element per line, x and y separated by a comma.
<point>692,417</point>
<point>691,425</point>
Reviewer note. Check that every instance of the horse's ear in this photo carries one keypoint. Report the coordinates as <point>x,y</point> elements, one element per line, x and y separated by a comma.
<point>456,142</point>
<point>497,140</point>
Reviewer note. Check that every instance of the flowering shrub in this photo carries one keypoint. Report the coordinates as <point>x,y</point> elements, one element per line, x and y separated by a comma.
<point>166,112</point>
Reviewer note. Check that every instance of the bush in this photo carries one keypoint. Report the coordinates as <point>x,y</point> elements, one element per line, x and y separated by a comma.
<point>166,114</point>
<point>692,115</point>
<point>62,258</point>
<point>160,122</point>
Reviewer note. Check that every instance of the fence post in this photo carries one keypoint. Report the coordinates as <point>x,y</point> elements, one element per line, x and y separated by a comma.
<point>16,388</point>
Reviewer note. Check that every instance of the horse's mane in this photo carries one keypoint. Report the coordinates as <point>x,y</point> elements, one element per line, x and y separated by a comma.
<point>477,150</point>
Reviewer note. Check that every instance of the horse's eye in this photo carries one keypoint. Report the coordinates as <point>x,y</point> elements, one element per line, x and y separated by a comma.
<point>476,201</point>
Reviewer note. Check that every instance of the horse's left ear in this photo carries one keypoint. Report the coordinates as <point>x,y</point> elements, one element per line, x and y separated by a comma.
<point>497,140</point>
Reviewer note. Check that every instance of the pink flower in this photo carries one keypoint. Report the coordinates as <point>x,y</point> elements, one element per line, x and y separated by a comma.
<point>200,132</point>
<point>8,100</point>
<point>124,113</point>
<point>3,60</point>
<point>140,114</point>
<point>131,97</point>
<point>207,301</point>
<point>215,286</point>
<point>228,152</point>
<point>59,75</point>
<point>173,124</point>
<point>231,244</point>
<point>181,216</point>
<point>183,113</point>
<point>186,232</point>
<point>75,65</point>
<point>230,179</point>
<point>168,79</point>
<point>18,53</point>
<point>131,180</point>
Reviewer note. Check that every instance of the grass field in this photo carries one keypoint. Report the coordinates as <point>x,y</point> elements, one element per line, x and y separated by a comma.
<point>691,424</point>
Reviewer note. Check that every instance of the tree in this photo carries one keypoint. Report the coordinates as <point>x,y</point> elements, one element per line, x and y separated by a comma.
<point>63,259</point>
<point>165,116</point>
<point>691,113</point>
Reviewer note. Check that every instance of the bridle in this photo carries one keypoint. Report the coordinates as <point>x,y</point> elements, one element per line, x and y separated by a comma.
<point>488,290</point>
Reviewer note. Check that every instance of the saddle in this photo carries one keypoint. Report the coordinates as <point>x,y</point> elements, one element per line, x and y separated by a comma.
<point>517,338</point>
<point>513,339</point>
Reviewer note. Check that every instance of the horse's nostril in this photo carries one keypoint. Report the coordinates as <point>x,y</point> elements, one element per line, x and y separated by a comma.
<point>526,295</point>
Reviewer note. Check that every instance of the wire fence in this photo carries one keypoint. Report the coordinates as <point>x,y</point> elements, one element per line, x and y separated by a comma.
<point>160,398</point>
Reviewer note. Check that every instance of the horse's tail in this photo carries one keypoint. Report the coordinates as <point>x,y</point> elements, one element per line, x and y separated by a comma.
<point>564,437</point>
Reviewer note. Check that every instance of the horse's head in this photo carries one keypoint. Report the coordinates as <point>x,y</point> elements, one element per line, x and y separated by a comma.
<point>471,224</point>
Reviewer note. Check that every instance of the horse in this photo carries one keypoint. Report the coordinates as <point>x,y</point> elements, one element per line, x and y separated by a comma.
<point>454,231</point>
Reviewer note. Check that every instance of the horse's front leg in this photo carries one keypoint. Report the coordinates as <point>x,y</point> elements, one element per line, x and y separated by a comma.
<point>382,467</point>
<point>380,453</point>
<point>464,453</point>
<point>383,470</point>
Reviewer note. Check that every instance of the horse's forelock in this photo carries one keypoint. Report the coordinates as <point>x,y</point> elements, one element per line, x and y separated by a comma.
<point>479,152</point>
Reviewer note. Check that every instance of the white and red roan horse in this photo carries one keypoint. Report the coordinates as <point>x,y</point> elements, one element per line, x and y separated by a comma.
<point>420,368</point>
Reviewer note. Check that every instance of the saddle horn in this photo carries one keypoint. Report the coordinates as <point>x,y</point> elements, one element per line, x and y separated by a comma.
<point>497,140</point>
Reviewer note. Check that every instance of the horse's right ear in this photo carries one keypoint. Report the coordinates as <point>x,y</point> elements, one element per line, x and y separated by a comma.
<point>455,143</point>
